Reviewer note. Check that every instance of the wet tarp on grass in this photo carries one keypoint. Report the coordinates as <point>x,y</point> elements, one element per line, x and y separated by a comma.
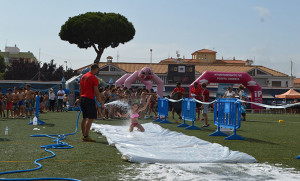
<point>159,145</point>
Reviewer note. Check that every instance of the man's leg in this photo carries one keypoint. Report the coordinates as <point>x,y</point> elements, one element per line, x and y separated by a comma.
<point>88,126</point>
<point>205,119</point>
<point>62,105</point>
<point>205,110</point>
<point>83,126</point>
<point>173,112</point>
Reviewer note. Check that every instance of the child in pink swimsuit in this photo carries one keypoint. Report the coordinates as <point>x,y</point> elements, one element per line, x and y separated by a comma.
<point>134,116</point>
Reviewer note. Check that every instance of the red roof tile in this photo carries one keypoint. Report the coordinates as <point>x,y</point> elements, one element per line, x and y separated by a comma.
<point>297,81</point>
<point>204,51</point>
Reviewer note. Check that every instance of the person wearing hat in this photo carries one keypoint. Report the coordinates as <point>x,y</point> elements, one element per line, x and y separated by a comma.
<point>60,99</point>
<point>88,90</point>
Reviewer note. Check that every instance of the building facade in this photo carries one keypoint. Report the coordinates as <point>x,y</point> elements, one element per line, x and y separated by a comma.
<point>203,60</point>
<point>14,54</point>
<point>297,83</point>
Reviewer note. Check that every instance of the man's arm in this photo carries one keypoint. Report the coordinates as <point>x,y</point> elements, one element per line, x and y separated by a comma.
<point>97,93</point>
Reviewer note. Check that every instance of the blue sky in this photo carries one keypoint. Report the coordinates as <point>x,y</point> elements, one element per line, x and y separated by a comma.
<point>267,30</point>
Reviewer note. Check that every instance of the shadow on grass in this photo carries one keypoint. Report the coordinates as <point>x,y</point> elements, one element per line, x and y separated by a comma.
<point>254,121</point>
<point>49,124</point>
<point>253,140</point>
<point>4,139</point>
<point>102,142</point>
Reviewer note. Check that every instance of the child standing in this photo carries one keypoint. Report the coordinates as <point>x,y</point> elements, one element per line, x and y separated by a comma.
<point>134,116</point>
<point>243,96</point>
<point>243,111</point>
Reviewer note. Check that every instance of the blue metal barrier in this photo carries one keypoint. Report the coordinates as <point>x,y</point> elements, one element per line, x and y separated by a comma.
<point>37,111</point>
<point>188,113</point>
<point>163,110</point>
<point>227,114</point>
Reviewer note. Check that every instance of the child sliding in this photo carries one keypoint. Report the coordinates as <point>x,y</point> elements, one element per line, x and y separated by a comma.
<point>134,115</point>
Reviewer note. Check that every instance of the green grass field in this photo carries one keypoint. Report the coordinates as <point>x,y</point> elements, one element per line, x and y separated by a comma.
<point>266,140</point>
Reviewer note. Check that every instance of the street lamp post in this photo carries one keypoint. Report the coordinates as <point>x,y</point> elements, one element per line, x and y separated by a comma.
<point>151,57</point>
<point>66,65</point>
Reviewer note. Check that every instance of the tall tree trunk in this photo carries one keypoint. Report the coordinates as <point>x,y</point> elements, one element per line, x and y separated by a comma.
<point>97,60</point>
<point>99,52</point>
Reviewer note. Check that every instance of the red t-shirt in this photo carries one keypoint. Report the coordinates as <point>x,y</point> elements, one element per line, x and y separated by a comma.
<point>87,83</point>
<point>205,95</point>
<point>180,90</point>
<point>198,92</point>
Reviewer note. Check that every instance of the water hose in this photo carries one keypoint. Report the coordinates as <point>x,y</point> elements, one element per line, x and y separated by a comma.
<point>59,145</point>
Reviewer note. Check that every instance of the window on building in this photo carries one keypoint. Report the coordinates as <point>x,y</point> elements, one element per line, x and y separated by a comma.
<point>276,83</point>
<point>113,69</point>
<point>105,69</point>
<point>6,60</point>
<point>259,72</point>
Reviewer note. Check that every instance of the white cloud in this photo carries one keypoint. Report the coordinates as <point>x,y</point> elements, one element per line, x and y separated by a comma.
<point>263,13</point>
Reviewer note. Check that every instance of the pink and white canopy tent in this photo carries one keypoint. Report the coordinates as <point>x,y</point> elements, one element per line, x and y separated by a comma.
<point>236,78</point>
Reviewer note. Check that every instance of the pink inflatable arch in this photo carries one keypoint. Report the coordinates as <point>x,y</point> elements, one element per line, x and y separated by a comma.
<point>236,78</point>
<point>145,75</point>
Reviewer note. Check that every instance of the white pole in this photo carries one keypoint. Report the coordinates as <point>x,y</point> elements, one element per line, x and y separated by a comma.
<point>150,57</point>
<point>292,84</point>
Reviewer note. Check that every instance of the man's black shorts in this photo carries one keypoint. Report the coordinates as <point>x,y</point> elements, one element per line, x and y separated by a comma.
<point>88,108</point>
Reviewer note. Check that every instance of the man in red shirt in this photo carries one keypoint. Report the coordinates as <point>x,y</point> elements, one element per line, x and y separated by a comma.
<point>205,98</point>
<point>196,92</point>
<point>88,90</point>
<point>178,89</point>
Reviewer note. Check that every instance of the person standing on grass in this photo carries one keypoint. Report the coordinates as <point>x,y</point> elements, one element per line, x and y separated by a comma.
<point>60,99</point>
<point>66,102</point>
<point>51,99</point>
<point>21,102</point>
<point>88,90</point>
<point>196,92</point>
<point>153,103</point>
<point>205,97</point>
<point>15,100</point>
<point>29,100</point>
<point>9,103</point>
<point>177,94</point>
<point>1,104</point>
<point>243,96</point>
<point>46,101</point>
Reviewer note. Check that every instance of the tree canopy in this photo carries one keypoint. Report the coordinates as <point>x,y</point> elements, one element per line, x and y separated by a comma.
<point>21,70</point>
<point>98,30</point>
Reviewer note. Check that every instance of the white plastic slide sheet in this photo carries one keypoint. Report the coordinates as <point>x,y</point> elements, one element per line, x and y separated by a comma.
<point>159,145</point>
